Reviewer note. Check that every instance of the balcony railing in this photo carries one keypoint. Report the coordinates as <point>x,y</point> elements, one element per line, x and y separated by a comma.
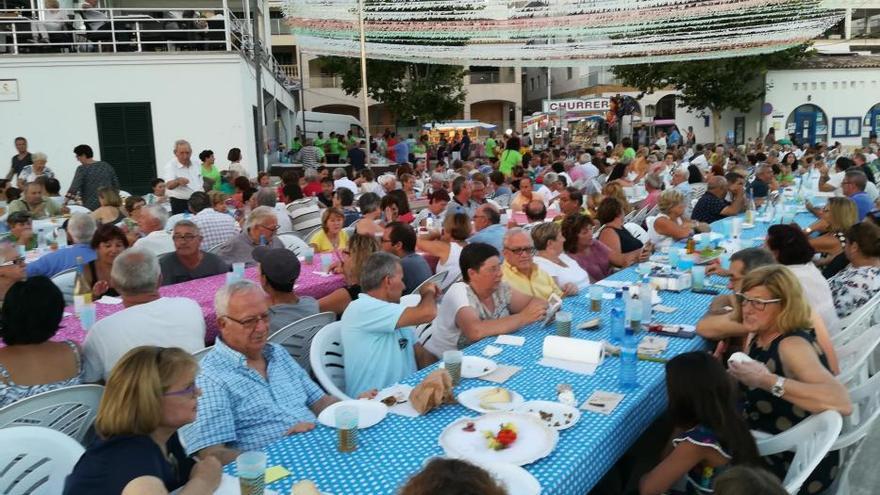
<point>291,71</point>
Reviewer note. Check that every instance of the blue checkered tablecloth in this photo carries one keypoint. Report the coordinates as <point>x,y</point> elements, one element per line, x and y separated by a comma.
<point>392,451</point>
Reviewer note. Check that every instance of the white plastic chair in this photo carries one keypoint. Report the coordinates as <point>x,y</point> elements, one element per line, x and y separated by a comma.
<point>325,356</point>
<point>854,356</point>
<point>811,440</point>
<point>172,221</point>
<point>866,409</point>
<point>36,460</point>
<point>293,242</point>
<point>437,278</point>
<point>123,194</point>
<point>78,209</point>
<point>297,337</point>
<point>859,321</point>
<point>65,280</point>
<point>637,231</point>
<point>202,352</point>
<point>69,410</point>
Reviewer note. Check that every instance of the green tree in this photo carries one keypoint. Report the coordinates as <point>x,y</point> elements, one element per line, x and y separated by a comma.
<point>713,84</point>
<point>423,93</point>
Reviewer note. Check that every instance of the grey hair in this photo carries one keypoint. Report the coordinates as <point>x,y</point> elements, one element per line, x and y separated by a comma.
<point>585,157</point>
<point>157,212</point>
<point>181,142</point>
<point>135,271</point>
<point>378,266</point>
<point>258,214</point>
<point>762,168</point>
<point>752,258</point>
<point>189,224</point>
<point>682,171</point>
<point>225,294</point>
<point>517,231</point>
<point>654,181</point>
<point>386,179</point>
<point>857,178</point>
<point>81,227</point>
<point>266,196</point>
<point>39,157</point>
<point>311,174</point>
<point>368,202</point>
<point>551,178</point>
<point>339,173</point>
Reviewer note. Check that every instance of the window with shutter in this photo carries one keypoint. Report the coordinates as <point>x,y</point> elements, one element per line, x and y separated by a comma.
<point>125,138</point>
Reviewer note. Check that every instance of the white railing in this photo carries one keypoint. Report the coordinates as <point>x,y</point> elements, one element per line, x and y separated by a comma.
<point>130,30</point>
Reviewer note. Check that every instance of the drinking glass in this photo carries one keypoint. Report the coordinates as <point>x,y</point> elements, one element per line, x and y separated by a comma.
<point>685,261</point>
<point>563,324</point>
<point>735,226</point>
<point>251,469</point>
<point>644,268</point>
<point>238,269</point>
<point>698,277</point>
<point>346,419</point>
<point>596,294</point>
<point>309,254</point>
<point>326,260</point>
<point>674,255</point>
<point>87,316</point>
<point>452,362</point>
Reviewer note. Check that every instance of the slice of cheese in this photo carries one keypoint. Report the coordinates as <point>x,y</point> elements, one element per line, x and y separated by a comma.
<point>305,487</point>
<point>496,395</point>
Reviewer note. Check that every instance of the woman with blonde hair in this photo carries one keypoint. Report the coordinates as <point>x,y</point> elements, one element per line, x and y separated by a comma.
<point>615,190</point>
<point>789,378</point>
<point>110,212</point>
<point>150,394</point>
<point>447,246</point>
<point>360,247</point>
<point>331,238</point>
<point>671,224</point>
<point>836,218</point>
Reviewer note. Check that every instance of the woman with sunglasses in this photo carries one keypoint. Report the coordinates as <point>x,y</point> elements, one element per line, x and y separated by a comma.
<point>30,363</point>
<point>788,378</point>
<point>150,393</point>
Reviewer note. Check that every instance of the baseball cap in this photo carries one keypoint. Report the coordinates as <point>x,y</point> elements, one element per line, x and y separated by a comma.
<point>279,265</point>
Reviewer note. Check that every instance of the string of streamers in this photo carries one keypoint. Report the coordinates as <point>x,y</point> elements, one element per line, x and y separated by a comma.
<point>559,33</point>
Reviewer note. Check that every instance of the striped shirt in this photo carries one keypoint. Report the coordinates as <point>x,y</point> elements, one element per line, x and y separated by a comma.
<point>309,157</point>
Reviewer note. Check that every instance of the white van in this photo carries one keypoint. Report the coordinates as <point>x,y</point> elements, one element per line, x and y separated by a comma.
<point>327,123</point>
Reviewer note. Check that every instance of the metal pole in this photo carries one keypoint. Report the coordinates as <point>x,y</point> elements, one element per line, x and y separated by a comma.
<point>227,18</point>
<point>302,94</point>
<point>258,68</point>
<point>366,112</point>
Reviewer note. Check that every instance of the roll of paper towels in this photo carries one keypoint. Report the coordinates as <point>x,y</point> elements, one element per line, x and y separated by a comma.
<point>577,350</point>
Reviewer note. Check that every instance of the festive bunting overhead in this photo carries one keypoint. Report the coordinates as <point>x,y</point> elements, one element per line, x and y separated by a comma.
<point>556,32</point>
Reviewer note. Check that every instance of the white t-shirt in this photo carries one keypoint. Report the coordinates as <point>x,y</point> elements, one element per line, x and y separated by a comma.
<point>158,242</point>
<point>451,267</point>
<point>818,294</point>
<point>834,180</point>
<point>570,273</point>
<point>346,183</point>
<point>174,170</point>
<point>444,332</point>
<point>165,322</point>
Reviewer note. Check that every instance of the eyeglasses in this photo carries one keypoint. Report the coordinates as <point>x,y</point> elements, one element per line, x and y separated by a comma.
<point>521,250</point>
<point>270,229</point>
<point>192,391</point>
<point>185,237</point>
<point>15,261</point>
<point>250,323</point>
<point>758,304</point>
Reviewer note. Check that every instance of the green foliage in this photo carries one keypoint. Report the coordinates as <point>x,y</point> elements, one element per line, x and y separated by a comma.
<point>423,93</point>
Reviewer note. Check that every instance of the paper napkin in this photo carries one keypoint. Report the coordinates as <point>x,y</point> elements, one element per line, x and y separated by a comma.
<point>402,392</point>
<point>501,374</point>
<point>492,351</point>
<point>653,345</point>
<point>602,402</point>
<point>109,300</point>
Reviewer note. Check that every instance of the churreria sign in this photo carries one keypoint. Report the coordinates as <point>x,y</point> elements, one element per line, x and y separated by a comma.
<point>578,105</point>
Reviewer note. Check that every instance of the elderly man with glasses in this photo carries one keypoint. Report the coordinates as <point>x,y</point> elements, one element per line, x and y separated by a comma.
<point>853,186</point>
<point>188,261</point>
<point>712,206</point>
<point>261,227</point>
<point>521,273</point>
<point>253,392</point>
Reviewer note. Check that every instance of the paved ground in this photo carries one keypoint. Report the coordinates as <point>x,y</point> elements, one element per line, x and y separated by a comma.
<point>865,477</point>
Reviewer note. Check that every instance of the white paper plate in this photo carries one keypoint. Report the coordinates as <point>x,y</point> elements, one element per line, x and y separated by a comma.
<point>516,480</point>
<point>471,400</point>
<point>534,440</point>
<point>475,366</point>
<point>370,412</point>
<point>747,225</point>
<point>708,236</point>
<point>555,415</point>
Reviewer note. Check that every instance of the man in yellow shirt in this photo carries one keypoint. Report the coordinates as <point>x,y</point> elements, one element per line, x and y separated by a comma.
<point>522,274</point>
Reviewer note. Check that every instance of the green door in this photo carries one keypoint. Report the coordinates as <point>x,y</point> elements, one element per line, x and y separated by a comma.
<point>125,137</point>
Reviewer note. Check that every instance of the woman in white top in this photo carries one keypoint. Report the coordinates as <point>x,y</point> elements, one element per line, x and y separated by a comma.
<point>552,258</point>
<point>456,230</point>
<point>482,305</point>
<point>671,225</point>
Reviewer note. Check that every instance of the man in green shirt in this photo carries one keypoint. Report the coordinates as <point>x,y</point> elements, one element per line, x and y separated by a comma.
<point>490,145</point>
<point>295,145</point>
<point>320,141</point>
<point>628,152</point>
<point>35,203</point>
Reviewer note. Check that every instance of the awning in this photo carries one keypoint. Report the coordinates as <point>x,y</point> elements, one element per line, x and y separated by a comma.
<point>458,124</point>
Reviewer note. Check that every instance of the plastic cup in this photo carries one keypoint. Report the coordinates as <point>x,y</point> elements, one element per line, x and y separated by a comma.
<point>238,269</point>
<point>326,259</point>
<point>346,419</point>
<point>251,469</point>
<point>87,316</point>
<point>452,362</point>
<point>309,254</point>
<point>674,254</point>
<point>563,324</point>
<point>725,261</point>
<point>698,277</point>
<point>735,226</point>
<point>685,261</point>
<point>644,268</point>
<point>596,294</point>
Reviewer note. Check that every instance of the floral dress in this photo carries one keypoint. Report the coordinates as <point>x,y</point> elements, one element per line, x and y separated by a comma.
<point>770,414</point>
<point>854,287</point>
<point>701,478</point>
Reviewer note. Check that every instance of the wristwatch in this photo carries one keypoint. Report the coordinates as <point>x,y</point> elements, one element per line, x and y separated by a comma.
<point>778,388</point>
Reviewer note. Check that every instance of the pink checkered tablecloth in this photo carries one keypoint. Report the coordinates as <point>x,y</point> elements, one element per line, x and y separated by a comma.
<point>202,291</point>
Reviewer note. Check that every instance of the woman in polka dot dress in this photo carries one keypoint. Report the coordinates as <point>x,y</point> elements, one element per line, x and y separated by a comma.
<point>789,378</point>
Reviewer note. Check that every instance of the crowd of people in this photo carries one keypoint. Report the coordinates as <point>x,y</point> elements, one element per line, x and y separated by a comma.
<point>578,225</point>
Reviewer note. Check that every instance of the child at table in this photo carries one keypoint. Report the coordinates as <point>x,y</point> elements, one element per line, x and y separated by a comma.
<point>710,434</point>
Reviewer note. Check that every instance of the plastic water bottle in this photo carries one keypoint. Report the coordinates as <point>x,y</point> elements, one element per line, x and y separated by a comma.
<point>645,294</point>
<point>618,317</point>
<point>633,310</point>
<point>628,374</point>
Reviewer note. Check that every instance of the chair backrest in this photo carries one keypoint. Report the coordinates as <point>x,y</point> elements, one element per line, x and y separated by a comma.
<point>309,236</point>
<point>36,460</point>
<point>437,278</point>
<point>811,440</point>
<point>70,410</point>
<point>865,399</point>
<point>215,247</point>
<point>172,221</point>
<point>859,321</point>
<point>297,337</point>
<point>698,189</point>
<point>325,356</point>
<point>201,352</point>
<point>636,231</point>
<point>349,231</point>
<point>305,214</point>
<point>424,332</point>
<point>78,209</point>
<point>853,356</point>
<point>639,217</point>
<point>293,242</point>
<point>65,281</point>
